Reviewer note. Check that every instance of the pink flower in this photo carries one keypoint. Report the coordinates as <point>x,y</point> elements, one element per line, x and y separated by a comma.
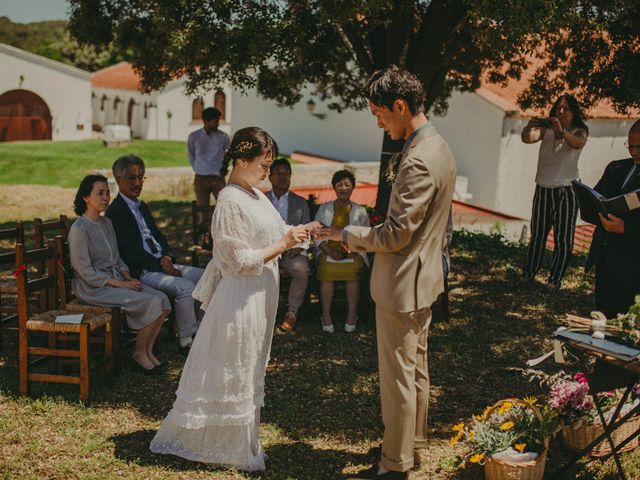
<point>580,377</point>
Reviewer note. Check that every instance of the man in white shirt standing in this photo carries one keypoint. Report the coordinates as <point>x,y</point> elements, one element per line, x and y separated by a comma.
<point>206,149</point>
<point>294,211</point>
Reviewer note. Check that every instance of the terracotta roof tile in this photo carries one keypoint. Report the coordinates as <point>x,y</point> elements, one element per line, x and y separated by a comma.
<point>120,76</point>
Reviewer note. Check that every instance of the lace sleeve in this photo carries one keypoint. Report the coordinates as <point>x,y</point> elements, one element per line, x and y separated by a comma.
<point>230,232</point>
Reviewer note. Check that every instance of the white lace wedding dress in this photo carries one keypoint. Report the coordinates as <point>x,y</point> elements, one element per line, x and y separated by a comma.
<point>216,415</point>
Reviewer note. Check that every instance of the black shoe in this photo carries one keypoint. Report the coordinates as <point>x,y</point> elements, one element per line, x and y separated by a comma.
<point>372,474</point>
<point>184,351</point>
<point>145,371</point>
<point>376,454</point>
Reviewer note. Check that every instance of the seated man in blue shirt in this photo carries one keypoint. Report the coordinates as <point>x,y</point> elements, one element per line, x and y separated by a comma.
<point>146,251</point>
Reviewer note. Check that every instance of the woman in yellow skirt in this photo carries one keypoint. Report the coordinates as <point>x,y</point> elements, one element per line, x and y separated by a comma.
<point>335,263</point>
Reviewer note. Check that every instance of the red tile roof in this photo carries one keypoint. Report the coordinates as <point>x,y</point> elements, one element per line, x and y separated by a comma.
<point>120,76</point>
<point>581,241</point>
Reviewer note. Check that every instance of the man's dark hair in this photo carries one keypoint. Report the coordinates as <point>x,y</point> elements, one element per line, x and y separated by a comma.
<point>280,162</point>
<point>392,83</point>
<point>84,190</point>
<point>341,175</point>
<point>211,113</point>
<point>121,165</point>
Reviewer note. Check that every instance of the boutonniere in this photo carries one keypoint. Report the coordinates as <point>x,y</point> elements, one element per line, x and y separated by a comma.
<point>392,169</point>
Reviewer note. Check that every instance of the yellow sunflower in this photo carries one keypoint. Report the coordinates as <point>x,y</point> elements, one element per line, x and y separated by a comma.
<point>478,457</point>
<point>507,426</point>
<point>520,447</point>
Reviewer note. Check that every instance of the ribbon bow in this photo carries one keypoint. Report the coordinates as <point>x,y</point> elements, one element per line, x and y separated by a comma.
<point>16,273</point>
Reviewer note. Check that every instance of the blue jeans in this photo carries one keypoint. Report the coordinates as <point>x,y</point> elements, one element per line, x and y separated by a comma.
<point>188,315</point>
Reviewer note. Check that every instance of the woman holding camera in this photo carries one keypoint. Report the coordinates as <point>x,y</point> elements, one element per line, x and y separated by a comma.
<point>562,137</point>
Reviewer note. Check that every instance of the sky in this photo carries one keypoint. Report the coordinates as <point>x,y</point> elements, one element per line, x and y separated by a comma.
<point>25,11</point>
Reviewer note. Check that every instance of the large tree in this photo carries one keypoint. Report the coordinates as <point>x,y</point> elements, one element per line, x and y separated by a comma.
<point>590,46</point>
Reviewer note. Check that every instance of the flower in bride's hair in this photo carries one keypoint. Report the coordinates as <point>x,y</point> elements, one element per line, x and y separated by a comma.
<point>244,147</point>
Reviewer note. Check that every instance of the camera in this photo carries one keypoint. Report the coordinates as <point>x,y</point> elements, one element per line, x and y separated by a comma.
<point>543,122</point>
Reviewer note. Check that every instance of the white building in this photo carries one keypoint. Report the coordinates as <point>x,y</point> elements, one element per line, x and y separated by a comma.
<point>41,99</point>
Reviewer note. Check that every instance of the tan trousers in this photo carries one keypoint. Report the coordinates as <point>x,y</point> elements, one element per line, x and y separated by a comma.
<point>205,186</point>
<point>404,384</point>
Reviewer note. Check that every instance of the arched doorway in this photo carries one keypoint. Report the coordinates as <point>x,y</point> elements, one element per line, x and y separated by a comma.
<point>24,116</point>
<point>220,102</point>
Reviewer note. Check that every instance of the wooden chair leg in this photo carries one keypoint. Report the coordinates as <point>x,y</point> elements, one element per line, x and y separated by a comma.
<point>108,352</point>
<point>114,336</point>
<point>53,361</point>
<point>84,364</point>
<point>24,364</point>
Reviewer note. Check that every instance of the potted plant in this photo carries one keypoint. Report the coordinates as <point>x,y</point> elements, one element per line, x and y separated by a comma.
<point>510,439</point>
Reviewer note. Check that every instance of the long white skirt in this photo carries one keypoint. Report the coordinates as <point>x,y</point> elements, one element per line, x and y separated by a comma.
<point>216,415</point>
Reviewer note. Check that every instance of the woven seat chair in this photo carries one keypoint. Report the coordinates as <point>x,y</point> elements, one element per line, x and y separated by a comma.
<point>44,322</point>
<point>68,302</point>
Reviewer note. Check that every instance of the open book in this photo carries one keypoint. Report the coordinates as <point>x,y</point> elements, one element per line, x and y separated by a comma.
<point>591,203</point>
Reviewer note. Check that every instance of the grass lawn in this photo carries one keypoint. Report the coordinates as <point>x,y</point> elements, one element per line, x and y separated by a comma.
<point>322,399</point>
<point>64,164</point>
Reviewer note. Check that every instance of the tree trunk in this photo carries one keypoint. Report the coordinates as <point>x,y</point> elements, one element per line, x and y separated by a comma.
<point>389,148</point>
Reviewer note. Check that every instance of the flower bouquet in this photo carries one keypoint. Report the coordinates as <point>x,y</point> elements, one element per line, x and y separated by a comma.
<point>510,439</point>
<point>580,423</point>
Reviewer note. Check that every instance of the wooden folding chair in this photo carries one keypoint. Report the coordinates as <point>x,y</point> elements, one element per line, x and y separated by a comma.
<point>200,235</point>
<point>45,322</point>
<point>42,228</point>
<point>8,286</point>
<point>68,302</point>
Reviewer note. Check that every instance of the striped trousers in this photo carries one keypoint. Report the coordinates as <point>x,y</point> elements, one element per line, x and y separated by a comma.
<point>555,208</point>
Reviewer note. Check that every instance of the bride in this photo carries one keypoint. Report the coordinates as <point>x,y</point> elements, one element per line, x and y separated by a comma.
<point>216,414</point>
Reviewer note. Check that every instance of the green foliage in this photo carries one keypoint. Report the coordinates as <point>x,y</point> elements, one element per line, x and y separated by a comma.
<point>279,47</point>
<point>52,40</point>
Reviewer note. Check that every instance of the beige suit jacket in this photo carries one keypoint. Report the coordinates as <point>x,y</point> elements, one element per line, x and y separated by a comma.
<point>407,271</point>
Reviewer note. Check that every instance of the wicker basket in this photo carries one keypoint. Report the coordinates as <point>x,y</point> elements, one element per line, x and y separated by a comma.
<point>500,470</point>
<point>577,438</point>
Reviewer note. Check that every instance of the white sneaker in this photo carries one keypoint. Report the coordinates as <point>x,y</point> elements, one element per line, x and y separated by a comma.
<point>349,328</point>
<point>327,328</point>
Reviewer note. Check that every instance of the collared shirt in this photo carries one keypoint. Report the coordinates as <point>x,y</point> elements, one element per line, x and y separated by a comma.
<point>410,138</point>
<point>206,151</point>
<point>281,204</point>
<point>149,243</point>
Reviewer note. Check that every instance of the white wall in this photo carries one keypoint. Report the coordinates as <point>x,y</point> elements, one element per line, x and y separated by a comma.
<point>349,136</point>
<point>109,115</point>
<point>472,127</point>
<point>67,95</point>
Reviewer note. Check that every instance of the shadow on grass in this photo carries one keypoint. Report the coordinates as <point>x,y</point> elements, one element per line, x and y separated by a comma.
<point>297,460</point>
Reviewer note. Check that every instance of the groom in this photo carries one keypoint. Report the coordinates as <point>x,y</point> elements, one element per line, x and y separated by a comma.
<point>407,272</point>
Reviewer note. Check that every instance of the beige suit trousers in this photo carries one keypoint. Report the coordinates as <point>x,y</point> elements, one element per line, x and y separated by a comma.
<point>404,384</point>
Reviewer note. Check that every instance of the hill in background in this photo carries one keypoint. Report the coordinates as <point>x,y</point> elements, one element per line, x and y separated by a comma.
<point>51,39</point>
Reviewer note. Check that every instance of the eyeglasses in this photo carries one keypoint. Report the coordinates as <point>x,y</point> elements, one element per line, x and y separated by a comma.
<point>131,178</point>
<point>630,146</point>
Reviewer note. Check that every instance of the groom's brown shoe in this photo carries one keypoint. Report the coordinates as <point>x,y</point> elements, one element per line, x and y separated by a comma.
<point>372,474</point>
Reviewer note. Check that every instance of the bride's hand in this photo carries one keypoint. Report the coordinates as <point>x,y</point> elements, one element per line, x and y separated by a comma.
<point>296,235</point>
<point>315,225</point>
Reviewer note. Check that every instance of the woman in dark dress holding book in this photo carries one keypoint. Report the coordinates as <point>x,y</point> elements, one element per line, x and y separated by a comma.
<point>562,137</point>
<point>102,278</point>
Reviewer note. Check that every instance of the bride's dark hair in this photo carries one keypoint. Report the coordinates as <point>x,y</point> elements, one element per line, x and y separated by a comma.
<point>248,143</point>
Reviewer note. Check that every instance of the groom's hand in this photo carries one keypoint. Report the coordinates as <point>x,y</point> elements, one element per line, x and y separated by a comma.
<point>329,233</point>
